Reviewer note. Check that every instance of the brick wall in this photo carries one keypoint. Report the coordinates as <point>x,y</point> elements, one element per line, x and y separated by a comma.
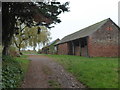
<point>99,50</point>
<point>104,42</point>
<point>63,49</point>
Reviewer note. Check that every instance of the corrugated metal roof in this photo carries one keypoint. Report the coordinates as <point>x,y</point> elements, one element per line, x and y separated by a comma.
<point>84,32</point>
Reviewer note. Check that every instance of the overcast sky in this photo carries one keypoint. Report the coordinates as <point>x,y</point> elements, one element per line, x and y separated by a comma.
<point>84,13</point>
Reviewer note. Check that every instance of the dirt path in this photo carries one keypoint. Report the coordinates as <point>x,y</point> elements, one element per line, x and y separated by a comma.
<point>45,73</point>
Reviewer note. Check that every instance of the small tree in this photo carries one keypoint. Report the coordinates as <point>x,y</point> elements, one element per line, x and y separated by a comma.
<point>19,37</point>
<point>30,37</point>
<point>37,37</point>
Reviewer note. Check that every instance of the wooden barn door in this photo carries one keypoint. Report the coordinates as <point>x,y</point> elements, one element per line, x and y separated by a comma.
<point>70,48</point>
<point>84,51</point>
<point>77,50</point>
<point>84,47</point>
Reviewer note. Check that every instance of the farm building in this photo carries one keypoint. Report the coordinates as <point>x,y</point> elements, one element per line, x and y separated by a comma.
<point>50,48</point>
<point>97,40</point>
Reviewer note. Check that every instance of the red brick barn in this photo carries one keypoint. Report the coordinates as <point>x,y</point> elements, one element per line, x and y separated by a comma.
<point>97,40</point>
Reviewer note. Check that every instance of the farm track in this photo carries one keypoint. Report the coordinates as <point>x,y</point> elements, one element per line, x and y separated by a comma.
<point>43,72</point>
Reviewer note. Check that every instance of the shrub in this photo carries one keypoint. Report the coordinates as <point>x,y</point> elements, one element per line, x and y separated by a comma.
<point>13,51</point>
<point>11,72</point>
<point>39,51</point>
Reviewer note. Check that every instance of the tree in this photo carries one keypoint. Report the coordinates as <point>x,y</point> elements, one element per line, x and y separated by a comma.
<point>31,37</point>
<point>29,13</point>
<point>38,38</point>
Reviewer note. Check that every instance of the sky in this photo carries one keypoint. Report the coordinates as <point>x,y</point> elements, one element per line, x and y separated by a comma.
<point>84,13</point>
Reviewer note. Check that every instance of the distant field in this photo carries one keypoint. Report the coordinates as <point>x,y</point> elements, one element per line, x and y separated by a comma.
<point>98,72</point>
<point>29,52</point>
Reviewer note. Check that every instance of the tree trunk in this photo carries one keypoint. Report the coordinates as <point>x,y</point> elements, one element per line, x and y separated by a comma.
<point>34,48</point>
<point>20,51</point>
<point>5,50</point>
<point>7,46</point>
<point>8,22</point>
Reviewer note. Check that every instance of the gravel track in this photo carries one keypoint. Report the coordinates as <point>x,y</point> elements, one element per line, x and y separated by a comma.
<point>44,72</point>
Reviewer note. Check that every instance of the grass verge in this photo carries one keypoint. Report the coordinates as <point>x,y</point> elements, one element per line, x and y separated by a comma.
<point>29,52</point>
<point>13,71</point>
<point>24,62</point>
<point>97,72</point>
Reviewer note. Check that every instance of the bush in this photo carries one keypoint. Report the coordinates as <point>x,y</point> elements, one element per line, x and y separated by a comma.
<point>39,51</point>
<point>13,51</point>
<point>11,72</point>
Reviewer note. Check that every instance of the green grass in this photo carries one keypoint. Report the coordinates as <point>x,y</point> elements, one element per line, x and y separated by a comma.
<point>97,72</point>
<point>24,62</point>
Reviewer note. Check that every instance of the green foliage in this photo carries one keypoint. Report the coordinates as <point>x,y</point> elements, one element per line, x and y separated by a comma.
<point>97,72</point>
<point>12,48</point>
<point>30,37</point>
<point>52,48</point>
<point>39,51</point>
<point>12,51</point>
<point>12,72</point>
<point>35,38</point>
